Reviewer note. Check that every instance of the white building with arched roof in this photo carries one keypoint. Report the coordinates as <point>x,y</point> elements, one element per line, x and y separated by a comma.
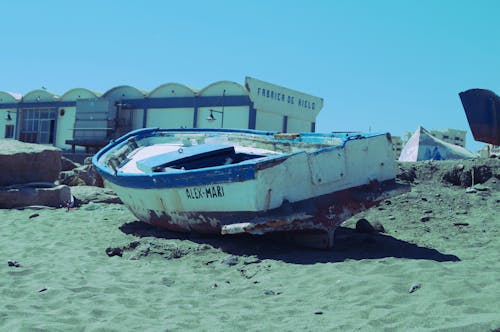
<point>81,118</point>
<point>38,117</point>
<point>171,114</point>
<point>222,108</point>
<point>67,114</point>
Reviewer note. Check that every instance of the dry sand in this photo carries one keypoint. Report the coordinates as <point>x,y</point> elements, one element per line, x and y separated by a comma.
<point>437,268</point>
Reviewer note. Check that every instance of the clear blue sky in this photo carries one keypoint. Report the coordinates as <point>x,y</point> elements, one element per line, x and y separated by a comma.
<point>379,65</point>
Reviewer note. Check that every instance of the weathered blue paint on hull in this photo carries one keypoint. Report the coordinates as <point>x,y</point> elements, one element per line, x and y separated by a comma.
<point>309,213</point>
<point>322,181</point>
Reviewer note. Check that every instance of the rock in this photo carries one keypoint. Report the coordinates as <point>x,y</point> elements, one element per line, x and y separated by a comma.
<point>132,245</point>
<point>231,260</point>
<point>167,281</point>
<point>87,161</point>
<point>174,253</point>
<point>414,288</point>
<point>89,175</point>
<point>364,226</point>
<point>114,252</point>
<point>13,264</point>
<point>470,190</point>
<point>458,176</point>
<point>80,176</point>
<point>481,188</point>
<point>87,194</point>
<point>425,219</point>
<point>68,164</point>
<point>70,178</point>
<point>22,196</point>
<point>252,261</point>
<point>407,175</point>
<point>482,173</point>
<point>25,162</point>
<point>378,227</point>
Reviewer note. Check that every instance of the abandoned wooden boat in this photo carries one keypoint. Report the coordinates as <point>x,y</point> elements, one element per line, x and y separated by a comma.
<point>482,108</point>
<point>245,181</point>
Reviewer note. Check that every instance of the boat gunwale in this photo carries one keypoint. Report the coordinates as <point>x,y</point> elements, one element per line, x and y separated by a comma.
<point>243,171</point>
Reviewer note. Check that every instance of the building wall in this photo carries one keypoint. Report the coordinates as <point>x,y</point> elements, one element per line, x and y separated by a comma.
<point>137,119</point>
<point>234,117</point>
<point>397,146</point>
<point>453,136</point>
<point>256,104</point>
<point>66,115</point>
<point>296,105</point>
<point>268,121</point>
<point>65,125</point>
<point>4,122</point>
<point>7,115</point>
<point>170,117</point>
<point>298,125</point>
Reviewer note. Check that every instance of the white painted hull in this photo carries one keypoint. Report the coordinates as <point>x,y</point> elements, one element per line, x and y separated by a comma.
<point>306,190</point>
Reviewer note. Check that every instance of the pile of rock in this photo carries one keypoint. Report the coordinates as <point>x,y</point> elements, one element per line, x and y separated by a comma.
<point>86,184</point>
<point>463,173</point>
<point>28,175</point>
<point>73,174</point>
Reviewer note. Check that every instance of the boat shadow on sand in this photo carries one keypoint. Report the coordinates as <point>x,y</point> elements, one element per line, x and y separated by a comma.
<point>349,245</point>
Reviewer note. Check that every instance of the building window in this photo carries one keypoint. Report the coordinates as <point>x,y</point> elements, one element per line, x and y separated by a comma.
<point>9,131</point>
<point>38,126</point>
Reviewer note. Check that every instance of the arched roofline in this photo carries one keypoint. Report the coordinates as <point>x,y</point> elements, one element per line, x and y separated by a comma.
<point>241,87</point>
<point>107,93</point>
<point>173,84</point>
<point>93,93</point>
<point>13,97</point>
<point>41,92</point>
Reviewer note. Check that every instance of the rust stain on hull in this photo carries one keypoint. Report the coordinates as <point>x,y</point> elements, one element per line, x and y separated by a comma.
<point>319,214</point>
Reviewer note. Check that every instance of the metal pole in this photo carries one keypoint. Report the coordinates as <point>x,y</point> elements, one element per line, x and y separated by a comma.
<point>223,95</point>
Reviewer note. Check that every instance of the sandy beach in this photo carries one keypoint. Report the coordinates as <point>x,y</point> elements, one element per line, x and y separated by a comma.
<point>97,268</point>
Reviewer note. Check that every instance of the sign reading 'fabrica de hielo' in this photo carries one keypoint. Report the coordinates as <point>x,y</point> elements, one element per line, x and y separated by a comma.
<point>274,98</point>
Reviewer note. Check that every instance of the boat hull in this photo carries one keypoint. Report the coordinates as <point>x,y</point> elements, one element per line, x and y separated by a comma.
<point>313,190</point>
<point>482,108</point>
<point>321,214</point>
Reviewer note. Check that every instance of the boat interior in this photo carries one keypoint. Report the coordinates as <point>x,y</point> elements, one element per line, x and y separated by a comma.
<point>186,151</point>
<point>132,157</point>
<point>194,157</point>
